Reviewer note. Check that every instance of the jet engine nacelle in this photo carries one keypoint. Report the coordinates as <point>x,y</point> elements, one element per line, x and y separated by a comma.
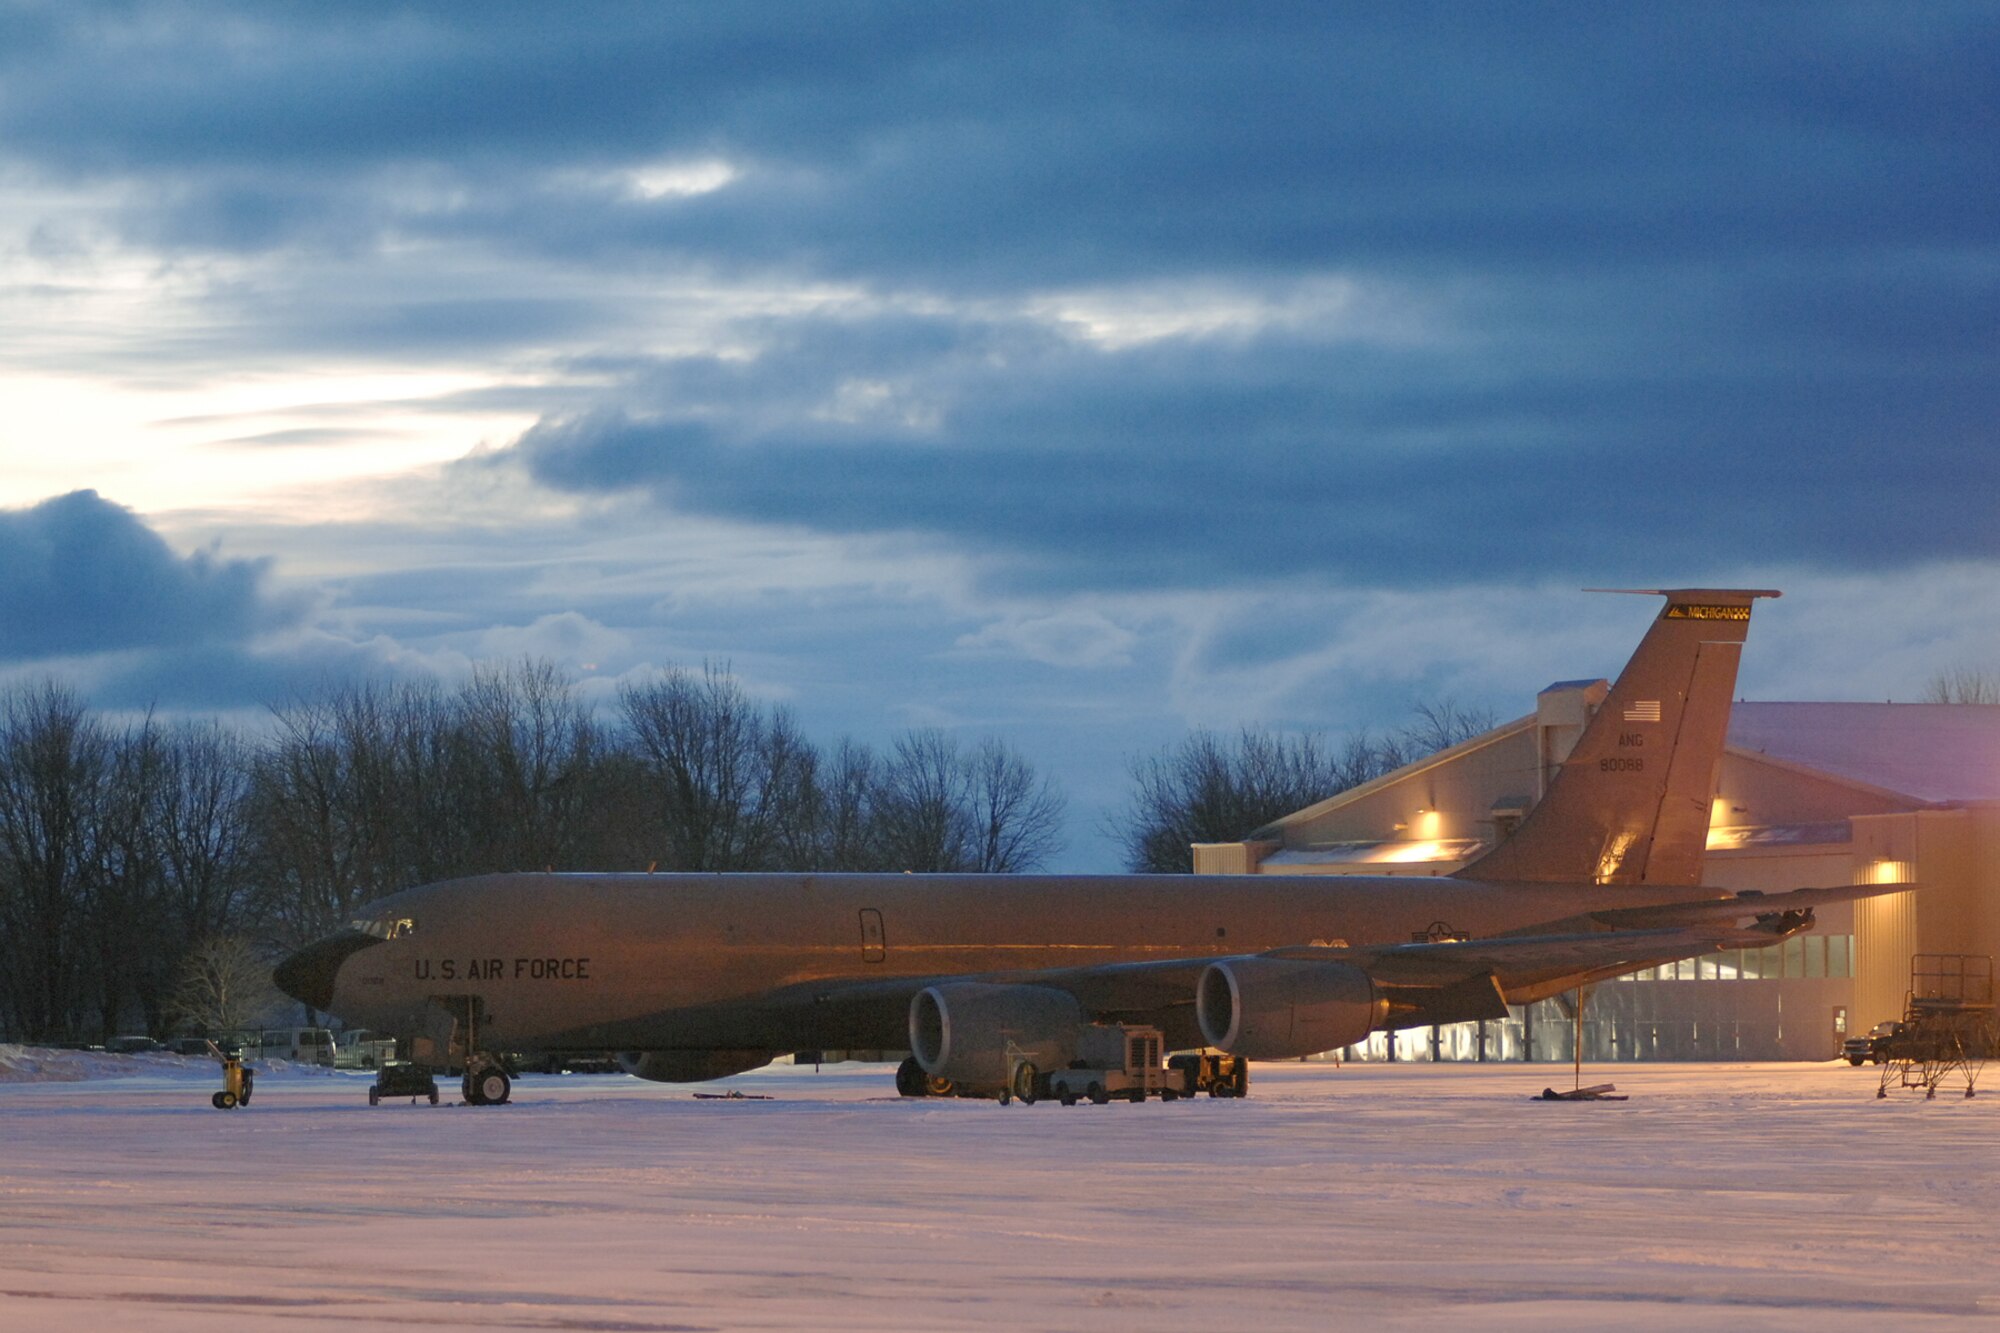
<point>1278,1009</point>
<point>689,1066</point>
<point>971,1032</point>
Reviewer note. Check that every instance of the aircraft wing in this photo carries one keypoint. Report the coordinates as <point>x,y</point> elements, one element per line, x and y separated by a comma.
<point>1421,982</point>
<point>1526,966</point>
<point>1427,982</point>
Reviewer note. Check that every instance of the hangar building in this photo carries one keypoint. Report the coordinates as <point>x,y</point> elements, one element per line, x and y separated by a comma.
<point>1806,794</point>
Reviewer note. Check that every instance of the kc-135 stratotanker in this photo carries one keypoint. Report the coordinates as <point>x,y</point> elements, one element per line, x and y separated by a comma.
<point>1000,984</point>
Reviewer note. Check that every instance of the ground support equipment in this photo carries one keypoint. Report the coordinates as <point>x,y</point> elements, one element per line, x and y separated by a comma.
<point>237,1080</point>
<point>1950,1025</point>
<point>400,1078</point>
<point>1120,1063</point>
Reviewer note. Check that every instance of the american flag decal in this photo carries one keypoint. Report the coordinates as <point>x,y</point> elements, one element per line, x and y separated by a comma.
<point>1644,710</point>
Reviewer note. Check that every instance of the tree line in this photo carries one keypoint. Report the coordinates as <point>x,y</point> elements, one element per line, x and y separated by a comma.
<point>141,862</point>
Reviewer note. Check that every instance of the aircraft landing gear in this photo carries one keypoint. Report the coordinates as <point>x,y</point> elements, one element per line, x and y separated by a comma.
<point>486,1083</point>
<point>913,1081</point>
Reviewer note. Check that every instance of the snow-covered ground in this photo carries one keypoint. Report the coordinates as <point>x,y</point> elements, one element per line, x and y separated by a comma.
<point>1748,1196</point>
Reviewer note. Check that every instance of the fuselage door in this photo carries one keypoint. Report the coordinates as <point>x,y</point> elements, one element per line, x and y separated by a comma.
<point>873,950</point>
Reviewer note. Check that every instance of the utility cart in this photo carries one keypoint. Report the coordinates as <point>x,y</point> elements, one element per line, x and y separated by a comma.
<point>401,1078</point>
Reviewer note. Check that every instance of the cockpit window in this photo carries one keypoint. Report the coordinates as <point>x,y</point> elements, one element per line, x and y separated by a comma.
<point>386,928</point>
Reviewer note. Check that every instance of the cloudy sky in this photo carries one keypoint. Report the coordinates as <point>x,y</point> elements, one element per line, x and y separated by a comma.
<point>1076,374</point>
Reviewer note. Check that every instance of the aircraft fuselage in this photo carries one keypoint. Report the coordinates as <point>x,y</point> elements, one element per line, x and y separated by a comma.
<point>594,962</point>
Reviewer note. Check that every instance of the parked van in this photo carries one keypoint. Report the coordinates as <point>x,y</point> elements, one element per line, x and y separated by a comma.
<point>307,1046</point>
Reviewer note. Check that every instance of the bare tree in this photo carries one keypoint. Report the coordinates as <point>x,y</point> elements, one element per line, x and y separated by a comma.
<point>55,769</point>
<point>529,752</point>
<point>936,807</point>
<point>1439,724</point>
<point>224,982</point>
<point>328,792</point>
<point>724,775</point>
<point>835,828</point>
<point>922,805</point>
<point>1207,789</point>
<point>1964,684</point>
<point>1017,819</point>
<point>125,924</point>
<point>200,819</point>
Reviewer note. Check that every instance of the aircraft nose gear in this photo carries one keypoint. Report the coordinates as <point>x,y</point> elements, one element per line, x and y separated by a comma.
<point>486,1084</point>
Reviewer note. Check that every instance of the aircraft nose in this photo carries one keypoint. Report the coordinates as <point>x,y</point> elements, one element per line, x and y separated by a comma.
<point>308,975</point>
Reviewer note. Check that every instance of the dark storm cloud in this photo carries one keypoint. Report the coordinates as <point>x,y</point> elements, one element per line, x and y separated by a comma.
<point>80,575</point>
<point>1201,462</point>
<point>1037,143</point>
<point>1699,286</point>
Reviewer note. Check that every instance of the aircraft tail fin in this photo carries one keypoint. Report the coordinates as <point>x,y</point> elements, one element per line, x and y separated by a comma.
<point>1630,805</point>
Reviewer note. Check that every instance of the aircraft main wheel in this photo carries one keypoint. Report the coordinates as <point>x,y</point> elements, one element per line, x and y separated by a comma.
<point>493,1086</point>
<point>1025,1075</point>
<point>470,1091</point>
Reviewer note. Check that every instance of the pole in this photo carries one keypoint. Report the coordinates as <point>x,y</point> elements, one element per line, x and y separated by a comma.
<point>1578,1044</point>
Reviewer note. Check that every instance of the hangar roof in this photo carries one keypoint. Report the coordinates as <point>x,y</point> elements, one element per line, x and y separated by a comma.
<point>1934,752</point>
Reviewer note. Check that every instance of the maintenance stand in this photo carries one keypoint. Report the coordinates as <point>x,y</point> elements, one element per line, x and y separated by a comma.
<point>1950,1026</point>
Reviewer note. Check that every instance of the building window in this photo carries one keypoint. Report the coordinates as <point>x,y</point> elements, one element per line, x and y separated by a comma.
<point>1815,951</point>
<point>1800,958</point>
<point>1793,958</point>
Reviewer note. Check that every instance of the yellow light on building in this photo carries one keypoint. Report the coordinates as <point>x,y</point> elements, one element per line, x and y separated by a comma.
<point>1428,849</point>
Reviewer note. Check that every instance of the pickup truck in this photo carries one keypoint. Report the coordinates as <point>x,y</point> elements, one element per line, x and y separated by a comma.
<point>1873,1045</point>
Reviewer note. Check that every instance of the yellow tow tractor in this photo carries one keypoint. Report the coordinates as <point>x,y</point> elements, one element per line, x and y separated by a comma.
<point>237,1080</point>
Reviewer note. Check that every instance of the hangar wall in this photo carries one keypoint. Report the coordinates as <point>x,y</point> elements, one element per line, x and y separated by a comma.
<point>1803,797</point>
